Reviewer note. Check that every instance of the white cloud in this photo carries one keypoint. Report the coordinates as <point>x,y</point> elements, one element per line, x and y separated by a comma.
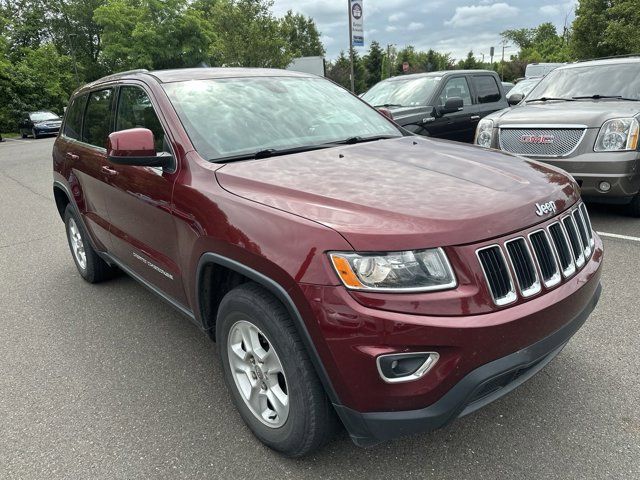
<point>396,17</point>
<point>478,14</point>
<point>415,26</point>
<point>550,10</point>
<point>391,28</point>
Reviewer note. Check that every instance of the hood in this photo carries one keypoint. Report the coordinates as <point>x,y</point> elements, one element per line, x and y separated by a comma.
<point>406,193</point>
<point>592,113</point>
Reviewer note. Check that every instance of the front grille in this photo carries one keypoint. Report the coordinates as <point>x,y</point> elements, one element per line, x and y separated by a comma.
<point>540,142</point>
<point>558,250</point>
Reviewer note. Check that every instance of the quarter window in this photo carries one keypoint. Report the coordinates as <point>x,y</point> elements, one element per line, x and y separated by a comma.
<point>97,119</point>
<point>73,118</point>
<point>487,89</point>
<point>456,87</point>
<point>136,111</point>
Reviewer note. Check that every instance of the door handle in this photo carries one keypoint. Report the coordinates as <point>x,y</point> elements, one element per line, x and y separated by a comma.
<point>475,117</point>
<point>108,170</point>
<point>72,156</point>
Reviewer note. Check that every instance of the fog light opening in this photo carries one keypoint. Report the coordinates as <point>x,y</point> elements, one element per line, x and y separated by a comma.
<point>604,187</point>
<point>405,367</point>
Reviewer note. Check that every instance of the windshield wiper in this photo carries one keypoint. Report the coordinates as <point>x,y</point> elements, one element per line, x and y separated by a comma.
<point>600,97</point>
<point>354,140</point>
<point>547,99</point>
<point>388,105</point>
<point>271,152</point>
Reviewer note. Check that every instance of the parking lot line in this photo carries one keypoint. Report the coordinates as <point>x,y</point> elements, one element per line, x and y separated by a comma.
<point>621,237</point>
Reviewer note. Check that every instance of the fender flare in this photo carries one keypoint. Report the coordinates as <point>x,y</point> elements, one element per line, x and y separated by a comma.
<point>281,294</point>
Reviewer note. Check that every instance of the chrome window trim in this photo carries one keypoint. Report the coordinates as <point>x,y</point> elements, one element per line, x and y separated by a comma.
<point>536,287</point>
<point>557,277</point>
<point>511,296</point>
<point>429,363</point>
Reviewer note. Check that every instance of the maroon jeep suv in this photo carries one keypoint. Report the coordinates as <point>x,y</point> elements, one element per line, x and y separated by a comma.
<point>351,273</point>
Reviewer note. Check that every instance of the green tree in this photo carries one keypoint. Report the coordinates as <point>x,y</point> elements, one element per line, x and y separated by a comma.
<point>373,63</point>
<point>301,36</point>
<point>589,27</point>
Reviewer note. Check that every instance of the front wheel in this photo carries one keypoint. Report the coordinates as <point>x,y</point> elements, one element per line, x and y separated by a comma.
<point>266,368</point>
<point>634,206</point>
<point>34,133</point>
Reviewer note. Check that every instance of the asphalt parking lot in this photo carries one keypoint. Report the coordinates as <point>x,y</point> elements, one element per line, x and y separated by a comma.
<point>107,381</point>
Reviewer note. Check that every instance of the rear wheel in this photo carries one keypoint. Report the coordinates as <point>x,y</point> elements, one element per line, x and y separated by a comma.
<point>23,134</point>
<point>271,379</point>
<point>90,266</point>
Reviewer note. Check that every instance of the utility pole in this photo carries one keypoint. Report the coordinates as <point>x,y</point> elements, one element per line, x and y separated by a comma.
<point>73,55</point>
<point>353,80</point>
<point>389,58</point>
<point>504,46</point>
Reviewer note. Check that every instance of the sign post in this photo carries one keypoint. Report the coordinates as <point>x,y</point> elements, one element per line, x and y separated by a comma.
<point>356,34</point>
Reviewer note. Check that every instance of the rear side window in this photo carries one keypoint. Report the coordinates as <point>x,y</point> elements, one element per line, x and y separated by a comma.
<point>135,111</point>
<point>73,118</point>
<point>97,118</point>
<point>456,87</point>
<point>487,89</point>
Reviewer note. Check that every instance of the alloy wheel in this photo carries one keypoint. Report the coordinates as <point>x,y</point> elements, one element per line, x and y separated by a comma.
<point>258,374</point>
<point>77,245</point>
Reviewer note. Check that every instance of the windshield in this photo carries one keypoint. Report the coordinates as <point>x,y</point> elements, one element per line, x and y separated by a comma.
<point>604,80</point>
<point>241,116</point>
<point>406,93</point>
<point>43,116</point>
<point>524,86</point>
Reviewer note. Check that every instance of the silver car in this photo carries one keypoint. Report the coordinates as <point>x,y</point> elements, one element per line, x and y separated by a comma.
<point>583,118</point>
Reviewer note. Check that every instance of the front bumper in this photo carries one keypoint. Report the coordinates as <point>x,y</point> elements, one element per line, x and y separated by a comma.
<point>46,130</point>
<point>620,169</point>
<point>477,389</point>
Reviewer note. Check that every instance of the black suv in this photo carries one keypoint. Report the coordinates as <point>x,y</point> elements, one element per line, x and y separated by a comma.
<point>39,123</point>
<point>440,104</point>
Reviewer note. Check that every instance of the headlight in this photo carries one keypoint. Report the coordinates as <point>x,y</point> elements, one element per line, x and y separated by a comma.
<point>618,135</point>
<point>484,133</point>
<point>413,271</point>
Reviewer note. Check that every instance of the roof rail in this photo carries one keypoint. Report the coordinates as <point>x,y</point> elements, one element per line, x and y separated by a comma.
<point>612,57</point>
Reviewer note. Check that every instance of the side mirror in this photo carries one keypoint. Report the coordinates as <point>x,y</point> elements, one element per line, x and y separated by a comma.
<point>135,147</point>
<point>515,99</point>
<point>386,112</point>
<point>453,104</point>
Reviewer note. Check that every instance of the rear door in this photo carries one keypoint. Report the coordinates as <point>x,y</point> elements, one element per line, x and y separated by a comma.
<point>83,147</point>
<point>143,230</point>
<point>489,95</point>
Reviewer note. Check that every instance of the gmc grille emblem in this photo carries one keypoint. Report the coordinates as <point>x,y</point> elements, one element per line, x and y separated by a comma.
<point>546,208</point>
<point>545,139</point>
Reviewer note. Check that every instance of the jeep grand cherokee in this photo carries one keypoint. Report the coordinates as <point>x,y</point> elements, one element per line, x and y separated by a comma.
<point>584,118</point>
<point>349,272</point>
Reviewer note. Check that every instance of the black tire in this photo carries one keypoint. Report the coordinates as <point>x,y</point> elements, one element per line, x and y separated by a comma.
<point>95,270</point>
<point>34,133</point>
<point>311,420</point>
<point>634,206</point>
<point>22,134</point>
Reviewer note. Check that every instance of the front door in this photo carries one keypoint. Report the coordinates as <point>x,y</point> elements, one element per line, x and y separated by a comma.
<point>455,125</point>
<point>143,231</point>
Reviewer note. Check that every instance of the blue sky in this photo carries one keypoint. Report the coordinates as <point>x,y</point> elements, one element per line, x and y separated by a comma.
<point>454,26</point>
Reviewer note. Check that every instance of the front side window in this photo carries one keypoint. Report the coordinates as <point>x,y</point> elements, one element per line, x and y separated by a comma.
<point>73,117</point>
<point>97,118</point>
<point>412,92</point>
<point>456,87</point>
<point>487,88</point>
<point>243,116</point>
<point>136,111</point>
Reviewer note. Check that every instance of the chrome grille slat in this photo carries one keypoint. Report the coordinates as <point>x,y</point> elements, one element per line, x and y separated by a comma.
<point>543,258</point>
<point>523,266</point>
<point>565,141</point>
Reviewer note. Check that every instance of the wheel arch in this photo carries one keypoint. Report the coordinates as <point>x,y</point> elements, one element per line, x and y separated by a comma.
<point>235,273</point>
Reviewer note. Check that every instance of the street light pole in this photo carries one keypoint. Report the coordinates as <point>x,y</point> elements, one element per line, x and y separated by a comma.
<point>504,46</point>
<point>352,73</point>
